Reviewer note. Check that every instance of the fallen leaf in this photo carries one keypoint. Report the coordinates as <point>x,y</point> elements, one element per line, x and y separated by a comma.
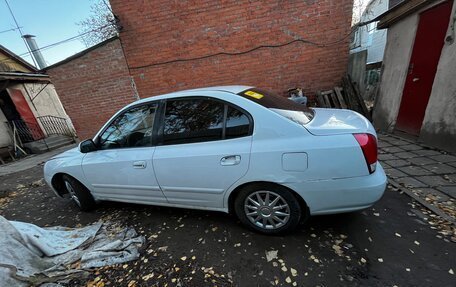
<point>284,269</point>
<point>288,279</point>
<point>271,255</point>
<point>293,271</point>
<point>184,258</point>
<point>338,250</point>
<point>363,260</point>
<point>147,277</point>
<point>451,271</point>
<point>163,248</point>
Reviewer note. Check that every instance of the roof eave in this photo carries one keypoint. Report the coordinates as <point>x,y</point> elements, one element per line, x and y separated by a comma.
<point>23,77</point>
<point>400,11</point>
<point>18,59</point>
<point>80,54</point>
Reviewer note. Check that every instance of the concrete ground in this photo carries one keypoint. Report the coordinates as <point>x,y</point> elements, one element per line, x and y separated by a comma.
<point>30,161</point>
<point>427,174</point>
<point>397,242</point>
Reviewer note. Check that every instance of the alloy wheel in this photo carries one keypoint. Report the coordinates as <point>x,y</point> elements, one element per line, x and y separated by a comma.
<point>267,209</point>
<point>72,193</point>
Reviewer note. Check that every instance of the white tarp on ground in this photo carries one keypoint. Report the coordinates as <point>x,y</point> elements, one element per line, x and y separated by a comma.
<point>33,255</point>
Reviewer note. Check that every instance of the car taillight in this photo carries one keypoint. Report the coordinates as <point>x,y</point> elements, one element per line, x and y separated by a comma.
<point>368,144</point>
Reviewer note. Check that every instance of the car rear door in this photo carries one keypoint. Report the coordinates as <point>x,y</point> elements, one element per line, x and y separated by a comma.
<point>204,148</point>
<point>121,169</point>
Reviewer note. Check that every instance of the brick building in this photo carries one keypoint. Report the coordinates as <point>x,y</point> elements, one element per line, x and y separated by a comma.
<point>93,85</point>
<point>167,46</point>
<point>157,33</point>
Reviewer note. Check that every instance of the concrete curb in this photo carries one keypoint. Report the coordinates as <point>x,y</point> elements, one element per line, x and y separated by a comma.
<point>422,202</point>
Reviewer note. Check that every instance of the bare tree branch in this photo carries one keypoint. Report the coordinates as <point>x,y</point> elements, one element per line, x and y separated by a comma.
<point>101,22</point>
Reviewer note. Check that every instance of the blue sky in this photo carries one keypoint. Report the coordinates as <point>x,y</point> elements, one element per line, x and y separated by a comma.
<point>49,20</point>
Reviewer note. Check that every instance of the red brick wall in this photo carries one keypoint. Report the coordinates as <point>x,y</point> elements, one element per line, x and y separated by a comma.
<point>159,31</point>
<point>93,87</point>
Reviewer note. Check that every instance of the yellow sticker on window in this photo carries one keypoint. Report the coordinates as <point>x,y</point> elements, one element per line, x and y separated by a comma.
<point>254,94</point>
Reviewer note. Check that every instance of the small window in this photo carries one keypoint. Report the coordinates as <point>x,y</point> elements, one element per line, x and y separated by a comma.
<point>132,128</point>
<point>193,120</point>
<point>237,124</point>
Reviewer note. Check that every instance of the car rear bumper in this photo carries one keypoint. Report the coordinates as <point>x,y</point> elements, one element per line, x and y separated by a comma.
<point>342,195</point>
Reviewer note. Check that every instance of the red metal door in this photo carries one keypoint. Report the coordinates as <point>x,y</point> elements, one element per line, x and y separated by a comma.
<point>429,40</point>
<point>26,113</point>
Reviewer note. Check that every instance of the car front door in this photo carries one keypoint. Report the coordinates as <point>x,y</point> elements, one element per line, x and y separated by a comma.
<point>121,169</point>
<point>204,147</point>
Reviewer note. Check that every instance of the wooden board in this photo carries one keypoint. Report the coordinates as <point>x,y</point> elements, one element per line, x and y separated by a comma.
<point>338,91</point>
<point>321,103</point>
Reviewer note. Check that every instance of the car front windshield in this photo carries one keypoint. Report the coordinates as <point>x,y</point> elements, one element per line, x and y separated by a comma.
<point>289,109</point>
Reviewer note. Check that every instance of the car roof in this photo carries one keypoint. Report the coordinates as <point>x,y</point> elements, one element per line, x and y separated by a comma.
<point>230,89</point>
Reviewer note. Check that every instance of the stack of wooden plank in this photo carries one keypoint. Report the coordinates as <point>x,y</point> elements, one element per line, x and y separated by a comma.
<point>332,99</point>
<point>345,97</point>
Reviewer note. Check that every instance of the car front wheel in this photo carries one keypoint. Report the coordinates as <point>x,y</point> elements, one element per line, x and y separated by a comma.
<point>268,208</point>
<point>78,193</point>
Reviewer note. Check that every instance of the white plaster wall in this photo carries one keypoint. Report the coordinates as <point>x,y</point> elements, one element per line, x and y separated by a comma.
<point>401,37</point>
<point>5,139</point>
<point>46,103</point>
<point>439,124</point>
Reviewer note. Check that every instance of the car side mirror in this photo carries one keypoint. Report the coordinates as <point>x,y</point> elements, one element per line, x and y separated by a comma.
<point>87,146</point>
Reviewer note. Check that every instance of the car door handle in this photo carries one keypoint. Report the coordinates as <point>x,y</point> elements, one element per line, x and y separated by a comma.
<point>139,164</point>
<point>230,160</point>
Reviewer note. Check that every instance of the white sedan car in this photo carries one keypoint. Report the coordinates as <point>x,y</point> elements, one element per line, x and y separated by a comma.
<point>235,149</point>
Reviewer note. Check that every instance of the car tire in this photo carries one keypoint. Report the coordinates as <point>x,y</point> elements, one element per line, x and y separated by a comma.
<point>78,193</point>
<point>277,209</point>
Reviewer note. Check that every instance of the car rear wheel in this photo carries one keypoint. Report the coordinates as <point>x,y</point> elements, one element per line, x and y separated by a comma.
<point>78,193</point>
<point>268,208</point>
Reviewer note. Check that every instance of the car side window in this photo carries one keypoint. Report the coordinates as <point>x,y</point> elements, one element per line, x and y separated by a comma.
<point>132,128</point>
<point>193,120</point>
<point>237,124</point>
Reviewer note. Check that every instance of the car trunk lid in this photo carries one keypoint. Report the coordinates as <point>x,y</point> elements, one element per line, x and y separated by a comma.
<point>336,121</point>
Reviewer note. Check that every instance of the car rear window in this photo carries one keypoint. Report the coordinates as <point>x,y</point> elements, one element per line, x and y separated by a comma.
<point>287,108</point>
